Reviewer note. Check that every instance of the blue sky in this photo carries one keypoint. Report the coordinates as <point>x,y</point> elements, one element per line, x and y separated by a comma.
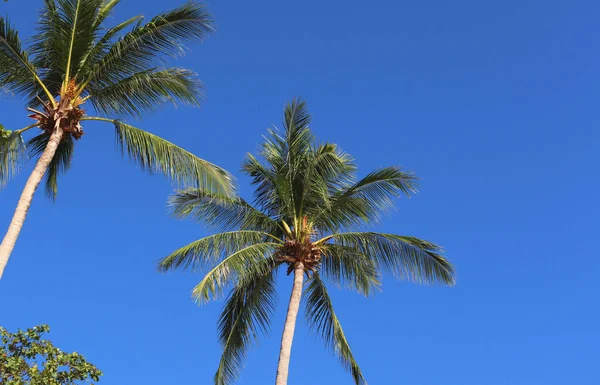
<point>493,104</point>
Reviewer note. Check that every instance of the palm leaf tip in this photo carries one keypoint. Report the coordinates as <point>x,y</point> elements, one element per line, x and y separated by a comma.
<point>247,313</point>
<point>12,154</point>
<point>404,257</point>
<point>157,155</point>
<point>323,320</point>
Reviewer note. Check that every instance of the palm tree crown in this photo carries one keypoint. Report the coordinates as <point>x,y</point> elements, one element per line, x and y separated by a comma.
<point>308,213</point>
<point>74,60</point>
<point>120,71</point>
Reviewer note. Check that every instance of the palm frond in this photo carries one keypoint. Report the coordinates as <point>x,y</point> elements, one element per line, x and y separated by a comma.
<point>367,200</point>
<point>211,249</point>
<point>404,257</point>
<point>220,211</point>
<point>155,154</point>
<point>270,193</point>
<point>296,120</point>
<point>12,154</point>
<point>67,30</point>
<point>82,18</point>
<point>146,45</point>
<point>101,47</point>
<point>348,267</point>
<point>60,163</point>
<point>228,269</point>
<point>146,91</point>
<point>327,169</point>
<point>323,321</point>
<point>17,74</point>
<point>247,313</point>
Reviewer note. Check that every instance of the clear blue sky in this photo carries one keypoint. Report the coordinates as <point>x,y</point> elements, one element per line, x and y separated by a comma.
<point>494,104</point>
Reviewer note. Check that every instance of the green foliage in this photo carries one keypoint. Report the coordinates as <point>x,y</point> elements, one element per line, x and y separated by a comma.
<point>299,180</point>
<point>157,155</point>
<point>322,319</point>
<point>26,358</point>
<point>120,71</point>
<point>246,314</point>
<point>59,164</point>
<point>12,152</point>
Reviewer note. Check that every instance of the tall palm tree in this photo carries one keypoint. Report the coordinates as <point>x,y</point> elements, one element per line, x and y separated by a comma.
<point>308,216</point>
<point>120,71</point>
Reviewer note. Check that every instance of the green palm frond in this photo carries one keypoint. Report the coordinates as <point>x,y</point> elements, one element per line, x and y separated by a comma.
<point>348,267</point>
<point>235,265</point>
<point>17,73</point>
<point>145,90</point>
<point>220,211</point>
<point>298,137</point>
<point>404,257</point>
<point>270,193</point>
<point>67,30</point>
<point>367,200</point>
<point>155,154</point>
<point>145,46</point>
<point>323,321</point>
<point>102,46</point>
<point>247,313</point>
<point>12,154</point>
<point>60,163</point>
<point>211,249</point>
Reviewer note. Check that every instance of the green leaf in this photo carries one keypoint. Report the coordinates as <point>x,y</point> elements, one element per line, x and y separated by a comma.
<point>146,45</point>
<point>145,90</point>
<point>60,163</point>
<point>27,357</point>
<point>323,321</point>
<point>405,257</point>
<point>17,73</point>
<point>157,155</point>
<point>247,313</point>
<point>12,154</point>
<point>211,249</point>
<point>220,211</point>
<point>228,269</point>
<point>348,267</point>
<point>365,201</point>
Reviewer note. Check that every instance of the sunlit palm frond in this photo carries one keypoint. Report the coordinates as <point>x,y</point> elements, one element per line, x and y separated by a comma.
<point>220,211</point>
<point>211,249</point>
<point>323,321</point>
<point>231,267</point>
<point>365,201</point>
<point>67,30</point>
<point>145,90</point>
<point>101,48</point>
<point>247,313</point>
<point>155,154</point>
<point>298,137</point>
<point>12,154</point>
<point>17,74</point>
<point>271,189</point>
<point>405,257</point>
<point>147,44</point>
<point>348,267</point>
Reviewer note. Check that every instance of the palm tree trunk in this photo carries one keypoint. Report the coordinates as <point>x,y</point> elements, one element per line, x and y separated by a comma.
<point>290,326</point>
<point>8,243</point>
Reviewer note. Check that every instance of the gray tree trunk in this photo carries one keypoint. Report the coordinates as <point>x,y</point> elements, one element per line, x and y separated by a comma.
<point>290,326</point>
<point>8,243</point>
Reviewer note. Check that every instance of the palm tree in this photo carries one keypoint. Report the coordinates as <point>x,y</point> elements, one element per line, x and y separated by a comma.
<point>120,71</point>
<point>307,216</point>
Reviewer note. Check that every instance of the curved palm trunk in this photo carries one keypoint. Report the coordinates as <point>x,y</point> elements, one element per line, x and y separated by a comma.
<point>8,243</point>
<point>290,326</point>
